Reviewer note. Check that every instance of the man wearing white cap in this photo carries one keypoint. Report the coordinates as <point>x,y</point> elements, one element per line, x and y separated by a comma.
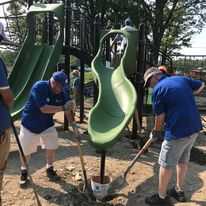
<point>6,103</point>
<point>120,39</point>
<point>45,99</point>
<point>175,108</point>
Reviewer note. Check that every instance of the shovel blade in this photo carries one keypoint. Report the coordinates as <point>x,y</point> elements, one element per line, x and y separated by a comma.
<point>118,184</point>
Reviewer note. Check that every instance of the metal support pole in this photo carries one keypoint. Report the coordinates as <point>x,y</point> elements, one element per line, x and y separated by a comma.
<point>30,2</point>
<point>82,92</point>
<point>82,36</point>
<point>140,70</point>
<point>67,7</point>
<point>102,166</point>
<point>97,29</point>
<point>45,30</point>
<point>51,26</point>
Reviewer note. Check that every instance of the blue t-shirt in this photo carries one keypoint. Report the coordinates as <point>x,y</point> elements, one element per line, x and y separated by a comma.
<point>4,112</point>
<point>40,95</point>
<point>174,97</point>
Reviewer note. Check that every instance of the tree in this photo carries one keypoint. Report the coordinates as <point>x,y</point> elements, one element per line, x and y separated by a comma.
<point>17,21</point>
<point>8,58</point>
<point>170,24</point>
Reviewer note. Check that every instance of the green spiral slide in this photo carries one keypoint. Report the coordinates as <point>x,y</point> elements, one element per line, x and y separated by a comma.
<point>117,96</point>
<point>35,62</point>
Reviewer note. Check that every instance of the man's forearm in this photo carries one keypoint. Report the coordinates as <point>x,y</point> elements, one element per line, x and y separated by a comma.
<point>7,97</point>
<point>196,92</point>
<point>51,109</point>
<point>159,122</point>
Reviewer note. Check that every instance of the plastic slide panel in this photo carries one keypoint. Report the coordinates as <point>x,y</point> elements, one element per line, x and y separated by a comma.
<point>117,97</point>
<point>35,62</point>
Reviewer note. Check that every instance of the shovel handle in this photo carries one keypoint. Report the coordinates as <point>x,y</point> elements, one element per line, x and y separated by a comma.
<point>77,134</point>
<point>147,144</point>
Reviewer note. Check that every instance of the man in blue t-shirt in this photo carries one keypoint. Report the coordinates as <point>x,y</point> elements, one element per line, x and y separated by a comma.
<point>174,106</point>
<point>45,99</point>
<point>6,103</point>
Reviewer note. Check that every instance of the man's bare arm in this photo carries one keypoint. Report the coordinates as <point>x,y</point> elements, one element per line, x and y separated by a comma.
<point>7,97</point>
<point>159,122</point>
<point>196,92</point>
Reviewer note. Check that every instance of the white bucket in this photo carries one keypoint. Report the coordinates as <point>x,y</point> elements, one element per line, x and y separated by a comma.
<point>100,190</point>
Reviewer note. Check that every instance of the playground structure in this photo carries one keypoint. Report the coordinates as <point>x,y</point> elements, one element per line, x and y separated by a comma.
<point>117,97</point>
<point>113,85</point>
<point>74,43</point>
<point>38,57</point>
<point>45,50</point>
<point>79,42</point>
<point>35,61</point>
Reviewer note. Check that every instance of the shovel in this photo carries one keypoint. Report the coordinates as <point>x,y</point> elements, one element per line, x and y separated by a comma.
<point>71,119</point>
<point>120,182</point>
<point>86,188</point>
<point>77,135</point>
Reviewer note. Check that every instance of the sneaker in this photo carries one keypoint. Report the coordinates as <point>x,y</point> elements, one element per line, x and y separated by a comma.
<point>156,200</point>
<point>52,175</point>
<point>179,196</point>
<point>23,178</point>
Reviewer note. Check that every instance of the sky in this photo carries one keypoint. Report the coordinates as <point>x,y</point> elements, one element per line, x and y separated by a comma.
<point>198,45</point>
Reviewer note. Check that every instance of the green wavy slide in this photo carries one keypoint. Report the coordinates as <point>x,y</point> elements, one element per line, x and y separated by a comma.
<point>117,96</point>
<point>35,62</point>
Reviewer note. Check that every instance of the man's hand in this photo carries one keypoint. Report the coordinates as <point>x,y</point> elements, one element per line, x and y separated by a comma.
<point>155,135</point>
<point>69,106</point>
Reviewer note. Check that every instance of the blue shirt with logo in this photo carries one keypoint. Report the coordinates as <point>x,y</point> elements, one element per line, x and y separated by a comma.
<point>174,97</point>
<point>4,112</point>
<point>40,95</point>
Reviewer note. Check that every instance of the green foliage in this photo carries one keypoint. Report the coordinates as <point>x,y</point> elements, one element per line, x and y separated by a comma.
<point>189,63</point>
<point>17,26</point>
<point>8,58</point>
<point>169,24</point>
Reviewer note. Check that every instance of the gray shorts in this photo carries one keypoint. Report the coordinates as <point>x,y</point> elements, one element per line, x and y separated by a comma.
<point>177,151</point>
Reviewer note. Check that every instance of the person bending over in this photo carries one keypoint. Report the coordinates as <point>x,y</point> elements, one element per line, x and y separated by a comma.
<point>45,99</point>
<point>175,108</point>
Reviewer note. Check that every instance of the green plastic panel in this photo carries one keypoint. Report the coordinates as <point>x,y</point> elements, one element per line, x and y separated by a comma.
<point>35,62</point>
<point>117,97</point>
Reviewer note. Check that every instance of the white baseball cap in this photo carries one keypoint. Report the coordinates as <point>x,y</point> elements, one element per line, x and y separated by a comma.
<point>149,73</point>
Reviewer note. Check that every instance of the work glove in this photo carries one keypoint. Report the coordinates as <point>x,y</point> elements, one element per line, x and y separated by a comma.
<point>155,135</point>
<point>69,106</point>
